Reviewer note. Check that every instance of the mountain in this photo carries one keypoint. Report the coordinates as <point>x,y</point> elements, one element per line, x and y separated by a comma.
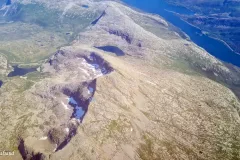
<point>111,83</point>
<point>217,18</point>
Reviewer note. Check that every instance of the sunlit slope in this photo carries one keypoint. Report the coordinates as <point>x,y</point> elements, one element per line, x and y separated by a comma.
<point>127,86</point>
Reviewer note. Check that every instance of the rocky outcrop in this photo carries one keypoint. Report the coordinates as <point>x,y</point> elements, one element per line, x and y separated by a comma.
<point>72,96</point>
<point>29,154</point>
<point>85,103</point>
<point>3,65</point>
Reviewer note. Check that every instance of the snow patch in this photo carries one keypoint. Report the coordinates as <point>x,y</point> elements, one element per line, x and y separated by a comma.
<point>90,90</point>
<point>43,138</point>
<point>64,105</point>
<point>55,148</point>
<point>151,83</point>
<point>104,71</point>
<point>67,130</point>
<point>69,6</point>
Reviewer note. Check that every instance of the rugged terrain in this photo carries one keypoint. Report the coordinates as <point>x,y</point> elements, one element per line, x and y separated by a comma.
<point>120,85</point>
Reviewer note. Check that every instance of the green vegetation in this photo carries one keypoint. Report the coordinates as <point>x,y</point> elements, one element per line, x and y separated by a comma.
<point>146,150</point>
<point>38,32</point>
<point>114,126</point>
<point>218,17</point>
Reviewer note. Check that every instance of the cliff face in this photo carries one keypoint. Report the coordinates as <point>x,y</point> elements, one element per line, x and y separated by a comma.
<point>127,87</point>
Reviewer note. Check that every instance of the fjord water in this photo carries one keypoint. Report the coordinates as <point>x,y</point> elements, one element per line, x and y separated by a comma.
<point>8,2</point>
<point>213,46</point>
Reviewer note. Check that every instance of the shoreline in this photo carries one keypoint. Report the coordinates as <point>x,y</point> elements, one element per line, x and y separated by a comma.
<point>225,43</point>
<point>208,35</point>
<point>216,38</point>
<point>178,16</point>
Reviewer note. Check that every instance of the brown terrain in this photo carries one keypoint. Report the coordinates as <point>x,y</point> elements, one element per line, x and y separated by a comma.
<point>146,93</point>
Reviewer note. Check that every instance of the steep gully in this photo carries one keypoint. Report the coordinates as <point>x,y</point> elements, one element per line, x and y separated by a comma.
<point>79,99</point>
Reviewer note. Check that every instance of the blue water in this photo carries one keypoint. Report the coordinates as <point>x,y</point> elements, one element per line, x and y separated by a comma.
<point>85,6</point>
<point>95,22</point>
<point>21,71</point>
<point>117,51</point>
<point>8,2</point>
<point>78,110</point>
<point>213,46</point>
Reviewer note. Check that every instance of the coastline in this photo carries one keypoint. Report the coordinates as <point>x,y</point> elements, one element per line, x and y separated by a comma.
<point>179,5</point>
<point>225,43</point>
<point>230,55</point>
<point>178,30</point>
<point>209,35</point>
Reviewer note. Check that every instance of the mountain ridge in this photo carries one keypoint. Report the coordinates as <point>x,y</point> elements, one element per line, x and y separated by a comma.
<point>150,103</point>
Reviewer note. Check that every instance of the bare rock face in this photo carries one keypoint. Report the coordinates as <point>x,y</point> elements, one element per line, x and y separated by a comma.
<point>3,65</point>
<point>28,153</point>
<point>152,102</point>
<point>67,94</point>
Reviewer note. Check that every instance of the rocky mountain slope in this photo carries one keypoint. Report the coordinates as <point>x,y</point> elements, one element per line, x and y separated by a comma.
<point>127,86</point>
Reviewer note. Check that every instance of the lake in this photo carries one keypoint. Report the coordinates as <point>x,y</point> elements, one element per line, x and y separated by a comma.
<point>21,71</point>
<point>213,46</point>
<point>117,51</point>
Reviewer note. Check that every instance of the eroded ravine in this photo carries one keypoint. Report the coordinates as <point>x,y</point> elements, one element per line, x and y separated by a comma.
<point>150,105</point>
<point>72,94</point>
